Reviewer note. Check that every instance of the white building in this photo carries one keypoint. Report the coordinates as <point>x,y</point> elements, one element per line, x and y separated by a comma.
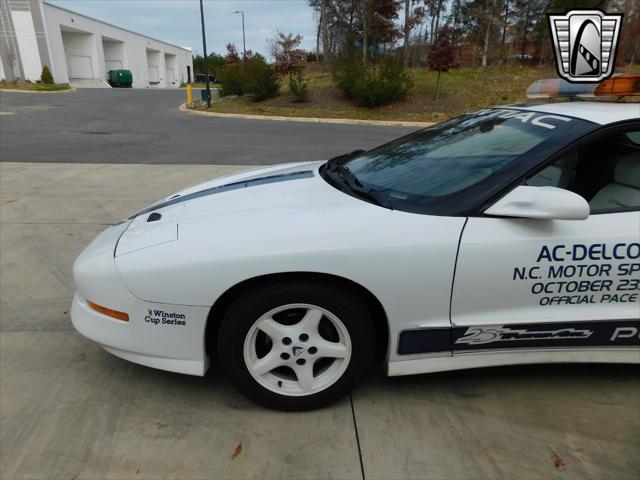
<point>81,50</point>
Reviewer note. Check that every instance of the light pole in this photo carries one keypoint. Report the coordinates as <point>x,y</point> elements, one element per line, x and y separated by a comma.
<point>206,56</point>
<point>244,44</point>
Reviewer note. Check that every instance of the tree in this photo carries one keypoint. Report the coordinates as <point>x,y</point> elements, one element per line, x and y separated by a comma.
<point>628,49</point>
<point>318,36</point>
<point>479,18</point>
<point>505,23</point>
<point>46,78</point>
<point>216,62</point>
<point>487,32</point>
<point>382,28</point>
<point>435,8</point>
<point>350,25</point>
<point>232,54</point>
<point>290,59</point>
<point>407,31</point>
<point>414,12</point>
<point>442,56</point>
<point>326,54</point>
<point>535,29</point>
<point>524,12</point>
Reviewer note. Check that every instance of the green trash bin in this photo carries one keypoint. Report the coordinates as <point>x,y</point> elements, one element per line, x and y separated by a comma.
<point>120,78</point>
<point>203,94</point>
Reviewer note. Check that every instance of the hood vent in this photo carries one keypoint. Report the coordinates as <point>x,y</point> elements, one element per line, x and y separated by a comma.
<point>154,217</point>
<point>254,182</point>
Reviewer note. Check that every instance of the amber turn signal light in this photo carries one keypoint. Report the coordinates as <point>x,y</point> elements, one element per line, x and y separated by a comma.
<point>624,85</point>
<point>108,312</point>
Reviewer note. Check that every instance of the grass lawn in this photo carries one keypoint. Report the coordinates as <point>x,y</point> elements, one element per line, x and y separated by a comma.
<point>461,90</point>
<point>33,87</point>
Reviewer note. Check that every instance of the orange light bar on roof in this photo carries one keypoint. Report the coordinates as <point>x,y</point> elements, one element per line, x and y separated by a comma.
<point>621,86</point>
<point>124,317</point>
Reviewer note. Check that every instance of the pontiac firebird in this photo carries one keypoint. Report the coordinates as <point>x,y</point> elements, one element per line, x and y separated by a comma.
<point>505,236</point>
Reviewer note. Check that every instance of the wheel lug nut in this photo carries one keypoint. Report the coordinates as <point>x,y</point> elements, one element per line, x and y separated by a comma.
<point>284,356</point>
<point>304,337</point>
<point>286,341</point>
<point>312,350</point>
<point>301,361</point>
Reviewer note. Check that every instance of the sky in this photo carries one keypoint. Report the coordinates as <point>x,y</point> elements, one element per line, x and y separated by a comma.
<point>178,21</point>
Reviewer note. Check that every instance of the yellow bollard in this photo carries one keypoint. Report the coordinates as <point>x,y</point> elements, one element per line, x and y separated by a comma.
<point>189,94</point>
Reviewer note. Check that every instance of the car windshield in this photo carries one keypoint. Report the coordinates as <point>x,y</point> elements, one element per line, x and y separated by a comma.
<point>450,167</point>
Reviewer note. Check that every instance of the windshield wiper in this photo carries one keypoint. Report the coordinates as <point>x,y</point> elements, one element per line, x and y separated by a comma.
<point>338,171</point>
<point>334,162</point>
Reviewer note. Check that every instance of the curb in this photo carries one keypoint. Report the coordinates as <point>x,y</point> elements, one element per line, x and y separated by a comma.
<point>68,90</point>
<point>344,121</point>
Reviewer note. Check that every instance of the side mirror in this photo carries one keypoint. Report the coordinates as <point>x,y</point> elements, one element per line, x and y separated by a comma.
<point>547,203</point>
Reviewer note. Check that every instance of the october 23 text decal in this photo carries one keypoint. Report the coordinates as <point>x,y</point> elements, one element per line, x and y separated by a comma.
<point>576,274</point>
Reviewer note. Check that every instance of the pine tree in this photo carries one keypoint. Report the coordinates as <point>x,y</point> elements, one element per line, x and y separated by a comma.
<point>46,78</point>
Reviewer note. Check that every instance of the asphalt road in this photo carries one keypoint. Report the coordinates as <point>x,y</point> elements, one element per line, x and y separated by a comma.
<point>145,126</point>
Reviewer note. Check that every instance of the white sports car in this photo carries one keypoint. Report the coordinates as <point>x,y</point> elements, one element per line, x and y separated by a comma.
<point>506,236</point>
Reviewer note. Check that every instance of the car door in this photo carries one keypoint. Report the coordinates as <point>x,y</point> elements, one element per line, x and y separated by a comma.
<point>530,283</point>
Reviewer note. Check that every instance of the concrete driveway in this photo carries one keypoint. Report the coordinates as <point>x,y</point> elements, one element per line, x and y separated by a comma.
<point>70,410</point>
<point>145,126</point>
<point>76,162</point>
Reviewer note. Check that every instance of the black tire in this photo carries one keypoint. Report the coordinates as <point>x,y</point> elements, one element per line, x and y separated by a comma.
<point>247,309</point>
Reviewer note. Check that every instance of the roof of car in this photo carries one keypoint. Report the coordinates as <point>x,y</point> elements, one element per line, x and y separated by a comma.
<point>597,112</point>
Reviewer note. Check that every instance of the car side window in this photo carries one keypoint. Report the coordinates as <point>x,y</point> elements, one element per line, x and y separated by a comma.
<point>606,172</point>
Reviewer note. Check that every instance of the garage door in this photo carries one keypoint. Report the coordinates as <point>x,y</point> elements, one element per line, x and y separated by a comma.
<point>154,74</point>
<point>113,65</point>
<point>80,66</point>
<point>171,75</point>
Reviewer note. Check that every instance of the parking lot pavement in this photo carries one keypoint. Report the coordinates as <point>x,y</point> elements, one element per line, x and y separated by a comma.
<point>70,410</point>
<point>145,126</point>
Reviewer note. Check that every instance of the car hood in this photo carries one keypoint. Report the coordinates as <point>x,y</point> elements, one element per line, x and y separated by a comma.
<point>288,190</point>
<point>251,174</point>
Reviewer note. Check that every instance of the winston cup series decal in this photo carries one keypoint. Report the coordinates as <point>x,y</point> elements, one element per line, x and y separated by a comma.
<point>160,317</point>
<point>585,43</point>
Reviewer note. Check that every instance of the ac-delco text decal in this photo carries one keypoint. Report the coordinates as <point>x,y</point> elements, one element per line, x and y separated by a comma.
<point>160,317</point>
<point>614,333</point>
<point>578,274</point>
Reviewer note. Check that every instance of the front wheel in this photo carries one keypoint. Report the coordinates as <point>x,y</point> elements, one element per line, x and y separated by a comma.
<point>296,346</point>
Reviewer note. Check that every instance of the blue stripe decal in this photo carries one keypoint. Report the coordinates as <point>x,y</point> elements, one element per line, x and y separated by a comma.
<point>254,182</point>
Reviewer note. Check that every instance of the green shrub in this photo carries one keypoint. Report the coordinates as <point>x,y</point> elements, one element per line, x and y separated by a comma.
<point>259,79</point>
<point>46,78</point>
<point>347,73</point>
<point>372,86</point>
<point>231,81</point>
<point>254,77</point>
<point>298,87</point>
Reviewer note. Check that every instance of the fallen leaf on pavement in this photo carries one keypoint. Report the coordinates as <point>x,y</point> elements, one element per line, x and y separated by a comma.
<point>236,452</point>
<point>557,461</point>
